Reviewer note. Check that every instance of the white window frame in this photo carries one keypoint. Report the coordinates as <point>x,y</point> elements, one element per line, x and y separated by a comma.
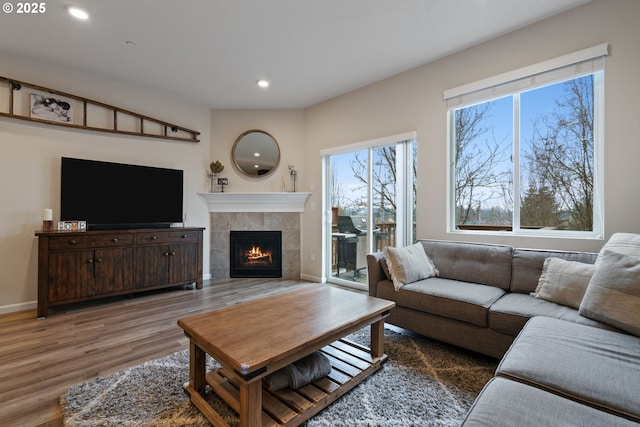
<point>588,61</point>
<point>404,195</point>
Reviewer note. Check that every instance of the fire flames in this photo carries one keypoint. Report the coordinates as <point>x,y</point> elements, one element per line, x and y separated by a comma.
<point>255,255</point>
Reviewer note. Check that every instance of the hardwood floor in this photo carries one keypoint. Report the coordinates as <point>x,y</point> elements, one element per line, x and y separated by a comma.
<point>41,359</point>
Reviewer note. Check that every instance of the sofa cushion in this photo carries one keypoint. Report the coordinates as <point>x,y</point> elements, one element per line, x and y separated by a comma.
<point>594,366</point>
<point>509,314</point>
<point>613,295</point>
<point>408,264</point>
<point>505,403</point>
<point>527,266</point>
<point>468,302</point>
<point>481,263</point>
<point>564,282</point>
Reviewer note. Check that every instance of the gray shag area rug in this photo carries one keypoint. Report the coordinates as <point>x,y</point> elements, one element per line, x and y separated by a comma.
<point>424,383</point>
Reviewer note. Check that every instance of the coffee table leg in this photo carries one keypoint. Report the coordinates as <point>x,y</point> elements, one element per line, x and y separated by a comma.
<point>197,369</point>
<point>377,339</point>
<point>251,403</point>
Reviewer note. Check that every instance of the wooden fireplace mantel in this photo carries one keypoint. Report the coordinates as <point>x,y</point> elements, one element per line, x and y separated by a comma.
<point>256,202</point>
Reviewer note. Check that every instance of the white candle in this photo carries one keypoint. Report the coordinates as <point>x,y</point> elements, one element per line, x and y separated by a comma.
<point>48,215</point>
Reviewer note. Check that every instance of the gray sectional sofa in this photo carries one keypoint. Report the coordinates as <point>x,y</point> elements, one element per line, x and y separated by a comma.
<point>558,367</point>
<point>480,299</point>
<point>560,373</point>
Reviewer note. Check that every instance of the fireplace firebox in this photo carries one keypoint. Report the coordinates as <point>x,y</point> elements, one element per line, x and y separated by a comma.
<point>256,254</point>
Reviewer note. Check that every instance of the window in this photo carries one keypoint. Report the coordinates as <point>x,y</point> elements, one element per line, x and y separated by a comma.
<point>370,194</point>
<point>526,152</point>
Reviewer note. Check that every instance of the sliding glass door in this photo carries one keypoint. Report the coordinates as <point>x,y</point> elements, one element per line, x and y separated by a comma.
<point>370,201</point>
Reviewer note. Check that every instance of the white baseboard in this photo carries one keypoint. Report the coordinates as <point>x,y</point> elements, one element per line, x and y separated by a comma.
<point>23,306</point>
<point>311,278</point>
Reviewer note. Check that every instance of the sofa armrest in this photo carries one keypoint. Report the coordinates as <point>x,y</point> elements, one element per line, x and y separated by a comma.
<point>375,273</point>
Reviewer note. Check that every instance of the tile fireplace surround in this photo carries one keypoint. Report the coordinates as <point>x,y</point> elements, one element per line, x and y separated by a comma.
<point>230,211</point>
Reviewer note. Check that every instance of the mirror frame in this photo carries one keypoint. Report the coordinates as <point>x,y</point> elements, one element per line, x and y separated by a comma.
<point>239,141</point>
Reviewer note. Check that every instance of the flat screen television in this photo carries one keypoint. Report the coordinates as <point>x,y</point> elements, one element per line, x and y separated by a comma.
<point>116,195</point>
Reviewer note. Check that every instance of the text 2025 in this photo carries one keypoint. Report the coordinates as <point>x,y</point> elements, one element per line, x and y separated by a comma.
<point>31,7</point>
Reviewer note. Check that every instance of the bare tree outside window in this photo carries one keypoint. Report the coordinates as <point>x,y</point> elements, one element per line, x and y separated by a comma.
<point>561,160</point>
<point>482,168</point>
<point>556,168</point>
<point>384,179</point>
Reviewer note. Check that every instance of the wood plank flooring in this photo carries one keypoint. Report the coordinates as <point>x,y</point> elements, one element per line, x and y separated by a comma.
<point>41,359</point>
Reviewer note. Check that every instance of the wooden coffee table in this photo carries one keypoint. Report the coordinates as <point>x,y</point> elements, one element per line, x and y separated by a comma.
<point>256,338</point>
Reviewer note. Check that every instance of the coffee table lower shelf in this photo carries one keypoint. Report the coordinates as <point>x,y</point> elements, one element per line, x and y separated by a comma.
<point>351,363</point>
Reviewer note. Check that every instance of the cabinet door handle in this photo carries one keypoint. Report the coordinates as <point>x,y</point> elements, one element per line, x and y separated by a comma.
<point>184,236</point>
<point>99,260</point>
<point>166,254</point>
<point>154,238</point>
<point>115,239</point>
<point>73,242</point>
<point>173,253</point>
<point>90,261</point>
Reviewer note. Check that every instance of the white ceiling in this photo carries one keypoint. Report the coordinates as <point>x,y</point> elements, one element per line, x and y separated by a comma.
<point>211,52</point>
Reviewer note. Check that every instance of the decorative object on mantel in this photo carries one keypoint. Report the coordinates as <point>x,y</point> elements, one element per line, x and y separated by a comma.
<point>293,173</point>
<point>60,110</point>
<point>216,169</point>
<point>222,182</point>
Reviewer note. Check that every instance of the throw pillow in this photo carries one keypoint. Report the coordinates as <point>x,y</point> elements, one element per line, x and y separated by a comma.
<point>622,243</point>
<point>564,282</point>
<point>408,264</point>
<point>613,294</point>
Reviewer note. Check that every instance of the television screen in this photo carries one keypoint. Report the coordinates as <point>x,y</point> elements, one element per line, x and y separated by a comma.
<point>116,195</point>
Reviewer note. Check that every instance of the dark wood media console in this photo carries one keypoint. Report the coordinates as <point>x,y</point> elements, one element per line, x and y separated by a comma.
<point>84,265</point>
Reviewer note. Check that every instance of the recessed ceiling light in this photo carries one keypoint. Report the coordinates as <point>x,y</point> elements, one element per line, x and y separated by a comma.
<point>262,83</point>
<point>78,13</point>
<point>256,154</point>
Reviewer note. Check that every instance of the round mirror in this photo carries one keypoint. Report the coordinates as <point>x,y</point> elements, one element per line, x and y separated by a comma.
<point>255,153</point>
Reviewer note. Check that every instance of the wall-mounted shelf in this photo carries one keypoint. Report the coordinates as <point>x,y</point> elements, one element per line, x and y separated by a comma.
<point>86,113</point>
